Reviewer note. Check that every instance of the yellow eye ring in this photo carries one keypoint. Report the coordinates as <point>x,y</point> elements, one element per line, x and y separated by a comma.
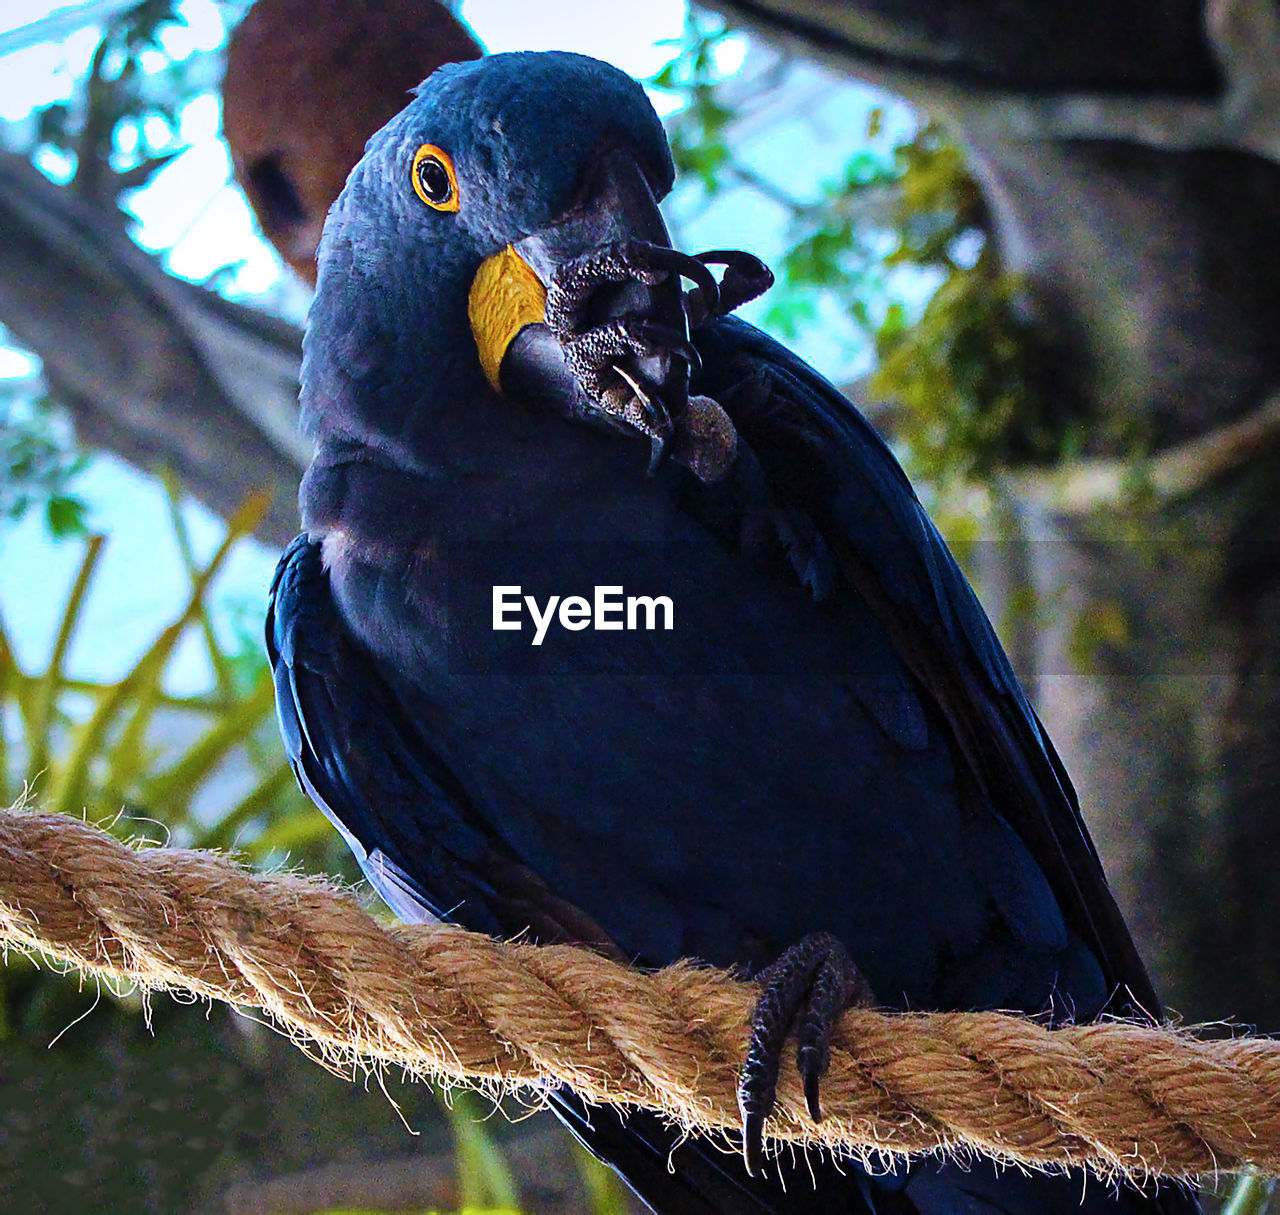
<point>434,180</point>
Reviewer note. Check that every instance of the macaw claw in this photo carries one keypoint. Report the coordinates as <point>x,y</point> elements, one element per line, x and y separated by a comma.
<point>628,344</point>
<point>630,348</point>
<point>745,277</point>
<point>806,989</point>
<point>578,280</point>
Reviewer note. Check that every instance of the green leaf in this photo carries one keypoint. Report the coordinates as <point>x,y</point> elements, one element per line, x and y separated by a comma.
<point>485,1180</point>
<point>67,797</point>
<point>1251,1196</point>
<point>66,516</point>
<point>45,700</point>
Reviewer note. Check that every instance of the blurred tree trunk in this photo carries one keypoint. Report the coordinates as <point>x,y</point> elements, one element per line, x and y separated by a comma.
<point>153,368</point>
<point>1128,151</point>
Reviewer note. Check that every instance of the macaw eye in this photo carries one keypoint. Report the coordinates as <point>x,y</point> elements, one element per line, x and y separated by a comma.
<point>434,180</point>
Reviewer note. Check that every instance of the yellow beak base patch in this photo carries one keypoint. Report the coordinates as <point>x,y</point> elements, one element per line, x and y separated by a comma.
<point>506,296</point>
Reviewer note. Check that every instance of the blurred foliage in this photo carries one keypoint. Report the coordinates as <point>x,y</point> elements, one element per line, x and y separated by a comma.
<point>204,770</point>
<point>195,770</point>
<point>967,375</point>
<point>1251,1195</point>
<point>38,460</point>
<point>121,127</point>
<point>699,143</point>
<point>1103,625</point>
<point>962,381</point>
<point>485,1182</point>
<point>114,134</point>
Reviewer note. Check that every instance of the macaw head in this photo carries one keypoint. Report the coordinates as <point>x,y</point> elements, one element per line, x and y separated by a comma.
<point>450,228</point>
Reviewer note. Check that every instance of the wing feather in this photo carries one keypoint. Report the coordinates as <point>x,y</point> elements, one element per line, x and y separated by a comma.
<point>890,553</point>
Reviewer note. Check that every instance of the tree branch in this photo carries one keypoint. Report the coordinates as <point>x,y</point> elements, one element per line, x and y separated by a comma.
<point>1081,487</point>
<point>155,369</point>
<point>935,59</point>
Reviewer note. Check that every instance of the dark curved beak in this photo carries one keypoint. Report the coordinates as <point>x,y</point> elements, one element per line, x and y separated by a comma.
<point>615,206</point>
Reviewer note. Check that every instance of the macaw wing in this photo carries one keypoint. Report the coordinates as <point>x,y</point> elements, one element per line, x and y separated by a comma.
<point>821,459</point>
<point>359,754</point>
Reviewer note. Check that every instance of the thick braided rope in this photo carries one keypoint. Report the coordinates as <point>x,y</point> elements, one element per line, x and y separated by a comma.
<point>1118,1098</point>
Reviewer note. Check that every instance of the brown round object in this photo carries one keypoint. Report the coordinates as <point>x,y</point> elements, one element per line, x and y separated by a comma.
<point>307,83</point>
<point>705,441</point>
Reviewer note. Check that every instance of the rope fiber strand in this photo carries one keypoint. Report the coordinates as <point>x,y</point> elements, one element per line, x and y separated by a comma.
<point>440,1002</point>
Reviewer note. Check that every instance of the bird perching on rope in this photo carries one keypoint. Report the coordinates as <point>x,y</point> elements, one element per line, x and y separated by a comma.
<point>306,83</point>
<point>615,623</point>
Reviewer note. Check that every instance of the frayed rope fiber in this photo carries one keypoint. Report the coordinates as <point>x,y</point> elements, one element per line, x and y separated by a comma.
<point>441,1002</point>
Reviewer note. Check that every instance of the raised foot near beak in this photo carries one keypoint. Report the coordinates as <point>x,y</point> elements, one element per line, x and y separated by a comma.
<point>629,348</point>
<point>634,356</point>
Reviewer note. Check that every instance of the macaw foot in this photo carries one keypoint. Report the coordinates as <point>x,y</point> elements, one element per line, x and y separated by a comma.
<point>619,341</point>
<point>623,342</point>
<point>807,989</point>
<point>745,277</point>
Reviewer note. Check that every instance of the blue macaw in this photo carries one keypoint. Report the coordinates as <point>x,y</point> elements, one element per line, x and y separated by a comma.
<point>788,741</point>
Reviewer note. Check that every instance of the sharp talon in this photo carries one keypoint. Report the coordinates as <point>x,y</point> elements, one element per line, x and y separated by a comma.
<point>650,406</point>
<point>753,1142</point>
<point>598,348</point>
<point>656,421</point>
<point>645,261</point>
<point>811,1066</point>
<point>806,989</point>
<point>659,259</point>
<point>745,277</point>
<point>695,270</point>
<point>669,341</point>
<point>633,383</point>
<point>657,453</point>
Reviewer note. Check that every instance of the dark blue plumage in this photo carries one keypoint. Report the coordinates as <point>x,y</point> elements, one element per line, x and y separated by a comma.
<point>829,739</point>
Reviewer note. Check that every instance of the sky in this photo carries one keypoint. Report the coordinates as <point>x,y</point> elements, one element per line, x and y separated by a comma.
<point>198,223</point>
